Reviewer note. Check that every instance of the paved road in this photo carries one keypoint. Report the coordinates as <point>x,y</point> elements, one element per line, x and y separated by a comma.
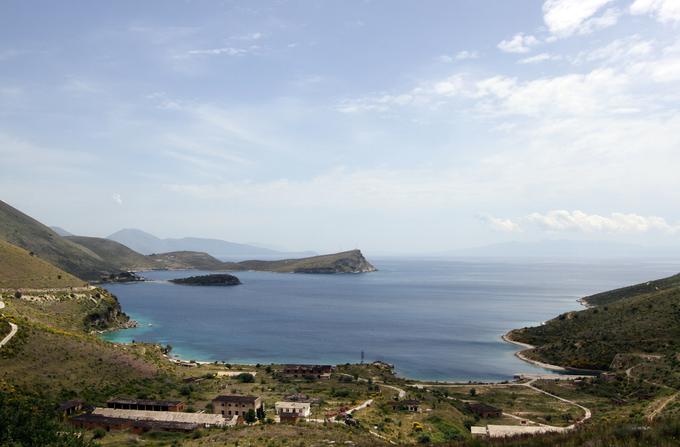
<point>12,332</point>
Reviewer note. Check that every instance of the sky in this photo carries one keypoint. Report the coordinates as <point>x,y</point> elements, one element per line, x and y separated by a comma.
<point>390,126</point>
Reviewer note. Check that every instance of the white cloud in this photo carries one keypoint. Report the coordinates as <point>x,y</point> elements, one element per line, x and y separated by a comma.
<point>117,198</point>
<point>563,220</point>
<point>500,224</point>
<point>542,57</point>
<point>520,43</point>
<point>229,51</point>
<point>460,56</point>
<point>582,222</point>
<point>624,50</point>
<point>664,11</point>
<point>566,17</point>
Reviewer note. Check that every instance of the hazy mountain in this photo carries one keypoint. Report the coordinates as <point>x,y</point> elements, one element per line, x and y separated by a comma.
<point>562,248</point>
<point>147,244</point>
<point>115,253</point>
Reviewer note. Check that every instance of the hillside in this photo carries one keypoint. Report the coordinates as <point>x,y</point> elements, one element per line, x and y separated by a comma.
<point>632,291</point>
<point>147,244</point>
<point>187,260</point>
<point>346,262</point>
<point>18,269</point>
<point>635,321</point>
<point>23,231</point>
<point>115,253</point>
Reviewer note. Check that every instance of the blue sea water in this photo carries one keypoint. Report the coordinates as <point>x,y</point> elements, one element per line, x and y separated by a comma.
<point>433,319</point>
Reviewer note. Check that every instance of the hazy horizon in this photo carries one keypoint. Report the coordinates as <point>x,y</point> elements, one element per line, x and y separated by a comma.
<point>381,125</point>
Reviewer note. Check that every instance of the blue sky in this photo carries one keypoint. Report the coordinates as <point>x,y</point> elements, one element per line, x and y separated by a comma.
<point>392,126</point>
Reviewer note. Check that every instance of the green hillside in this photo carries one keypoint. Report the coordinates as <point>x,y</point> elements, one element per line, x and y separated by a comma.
<point>346,262</point>
<point>635,321</point>
<point>115,253</point>
<point>632,291</point>
<point>186,260</point>
<point>23,231</point>
<point>18,269</point>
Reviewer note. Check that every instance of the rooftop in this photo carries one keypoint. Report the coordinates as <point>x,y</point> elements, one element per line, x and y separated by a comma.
<point>295,405</point>
<point>236,398</point>
<point>159,403</point>
<point>163,416</point>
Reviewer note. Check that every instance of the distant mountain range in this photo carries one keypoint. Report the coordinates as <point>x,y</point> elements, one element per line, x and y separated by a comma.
<point>145,243</point>
<point>563,248</point>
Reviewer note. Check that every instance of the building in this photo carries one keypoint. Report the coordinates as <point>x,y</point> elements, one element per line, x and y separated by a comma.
<point>146,405</point>
<point>236,405</point>
<point>411,405</point>
<point>70,407</point>
<point>140,421</point>
<point>308,371</point>
<point>484,411</point>
<point>291,411</point>
<point>91,421</point>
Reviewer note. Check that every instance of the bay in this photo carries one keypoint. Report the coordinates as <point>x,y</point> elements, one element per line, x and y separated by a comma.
<point>434,319</point>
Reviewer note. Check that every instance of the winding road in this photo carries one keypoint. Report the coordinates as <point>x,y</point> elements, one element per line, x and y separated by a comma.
<point>12,332</point>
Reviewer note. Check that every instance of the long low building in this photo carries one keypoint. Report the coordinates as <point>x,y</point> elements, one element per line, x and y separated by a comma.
<point>202,419</point>
<point>501,431</point>
<point>146,404</point>
<point>91,421</point>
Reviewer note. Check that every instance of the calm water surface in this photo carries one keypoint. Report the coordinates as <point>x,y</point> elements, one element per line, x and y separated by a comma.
<point>433,319</point>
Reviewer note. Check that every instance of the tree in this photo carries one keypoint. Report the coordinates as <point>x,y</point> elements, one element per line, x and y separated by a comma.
<point>473,392</point>
<point>246,378</point>
<point>261,414</point>
<point>250,416</point>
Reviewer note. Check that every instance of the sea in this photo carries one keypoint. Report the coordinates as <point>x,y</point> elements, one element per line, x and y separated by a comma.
<point>433,319</point>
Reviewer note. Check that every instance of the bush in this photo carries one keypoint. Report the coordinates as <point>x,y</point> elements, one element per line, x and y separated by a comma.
<point>245,378</point>
<point>250,416</point>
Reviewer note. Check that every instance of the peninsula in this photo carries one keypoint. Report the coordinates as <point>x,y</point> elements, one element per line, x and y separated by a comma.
<point>352,261</point>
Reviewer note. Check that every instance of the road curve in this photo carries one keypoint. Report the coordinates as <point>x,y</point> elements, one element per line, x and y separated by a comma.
<point>12,332</point>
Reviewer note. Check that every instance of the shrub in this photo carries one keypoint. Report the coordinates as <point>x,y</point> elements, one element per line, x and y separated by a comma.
<point>245,378</point>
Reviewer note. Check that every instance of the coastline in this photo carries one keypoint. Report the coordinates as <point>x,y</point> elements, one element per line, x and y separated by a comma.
<point>527,347</point>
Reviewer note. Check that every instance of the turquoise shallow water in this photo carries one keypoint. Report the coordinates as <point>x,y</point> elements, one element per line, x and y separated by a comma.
<point>433,319</point>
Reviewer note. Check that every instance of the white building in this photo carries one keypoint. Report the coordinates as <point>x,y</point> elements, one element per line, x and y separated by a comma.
<point>293,410</point>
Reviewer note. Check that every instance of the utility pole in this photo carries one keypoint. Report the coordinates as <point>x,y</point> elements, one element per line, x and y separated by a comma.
<point>362,357</point>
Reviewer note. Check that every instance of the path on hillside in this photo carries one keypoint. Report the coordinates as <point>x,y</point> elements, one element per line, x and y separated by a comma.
<point>659,409</point>
<point>529,384</point>
<point>588,413</point>
<point>12,332</point>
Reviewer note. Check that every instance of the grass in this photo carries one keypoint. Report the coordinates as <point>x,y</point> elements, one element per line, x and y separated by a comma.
<point>23,231</point>
<point>20,269</point>
<point>117,254</point>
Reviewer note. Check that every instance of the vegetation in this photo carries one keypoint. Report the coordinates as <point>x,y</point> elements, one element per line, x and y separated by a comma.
<point>644,323</point>
<point>117,254</point>
<point>23,231</point>
<point>633,291</point>
<point>20,269</point>
<point>346,262</point>
<point>222,279</point>
<point>29,421</point>
<point>183,260</point>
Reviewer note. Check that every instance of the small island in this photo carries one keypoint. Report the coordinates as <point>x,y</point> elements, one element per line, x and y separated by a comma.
<point>221,279</point>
